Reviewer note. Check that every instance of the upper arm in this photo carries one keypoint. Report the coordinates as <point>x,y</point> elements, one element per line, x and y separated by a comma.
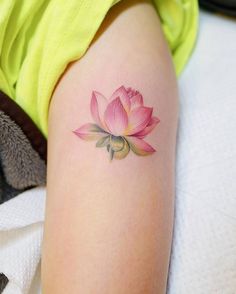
<point>102,214</point>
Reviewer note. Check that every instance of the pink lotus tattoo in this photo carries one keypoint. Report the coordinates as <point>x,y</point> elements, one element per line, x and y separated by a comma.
<point>121,123</point>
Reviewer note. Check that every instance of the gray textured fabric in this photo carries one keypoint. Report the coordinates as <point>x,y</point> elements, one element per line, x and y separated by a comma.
<point>20,165</point>
<point>3,282</point>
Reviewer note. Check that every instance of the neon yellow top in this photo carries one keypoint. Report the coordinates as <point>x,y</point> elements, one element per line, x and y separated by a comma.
<point>38,38</point>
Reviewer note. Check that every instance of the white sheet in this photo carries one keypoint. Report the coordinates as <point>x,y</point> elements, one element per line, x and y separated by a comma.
<point>204,246</point>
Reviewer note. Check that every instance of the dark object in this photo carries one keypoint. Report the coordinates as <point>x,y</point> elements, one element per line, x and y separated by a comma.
<point>226,6</point>
<point>23,151</point>
<point>3,282</point>
<point>18,115</point>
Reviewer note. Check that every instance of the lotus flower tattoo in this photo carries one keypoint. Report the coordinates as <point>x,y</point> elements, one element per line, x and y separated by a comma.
<point>121,123</point>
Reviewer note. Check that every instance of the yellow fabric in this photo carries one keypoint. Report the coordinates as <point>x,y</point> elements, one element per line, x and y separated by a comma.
<point>38,38</point>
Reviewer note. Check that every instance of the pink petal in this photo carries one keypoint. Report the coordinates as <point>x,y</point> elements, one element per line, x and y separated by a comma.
<point>138,119</point>
<point>97,107</point>
<point>139,146</point>
<point>136,101</point>
<point>124,98</point>
<point>131,92</point>
<point>153,122</point>
<point>89,132</point>
<point>116,117</point>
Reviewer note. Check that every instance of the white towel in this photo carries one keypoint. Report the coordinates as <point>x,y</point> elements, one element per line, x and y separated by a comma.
<point>204,247</point>
<point>21,226</point>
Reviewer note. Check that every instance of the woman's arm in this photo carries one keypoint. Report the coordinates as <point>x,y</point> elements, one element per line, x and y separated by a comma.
<point>108,224</point>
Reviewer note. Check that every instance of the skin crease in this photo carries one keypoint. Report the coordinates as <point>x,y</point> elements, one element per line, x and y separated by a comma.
<point>108,225</point>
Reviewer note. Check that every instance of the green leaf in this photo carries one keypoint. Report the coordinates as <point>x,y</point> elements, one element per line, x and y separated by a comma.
<point>111,154</point>
<point>102,142</point>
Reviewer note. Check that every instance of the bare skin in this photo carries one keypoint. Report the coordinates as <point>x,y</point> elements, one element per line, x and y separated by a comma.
<point>108,226</point>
